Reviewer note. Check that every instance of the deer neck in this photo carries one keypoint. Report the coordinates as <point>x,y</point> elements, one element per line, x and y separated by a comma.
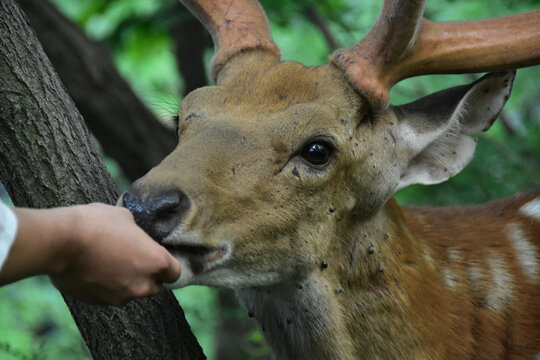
<point>298,319</point>
<point>356,307</point>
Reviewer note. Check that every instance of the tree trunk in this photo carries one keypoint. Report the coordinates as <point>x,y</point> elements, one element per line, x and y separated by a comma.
<point>47,159</point>
<point>126,129</point>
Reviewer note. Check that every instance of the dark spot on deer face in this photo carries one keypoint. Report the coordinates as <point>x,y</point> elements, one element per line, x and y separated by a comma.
<point>296,173</point>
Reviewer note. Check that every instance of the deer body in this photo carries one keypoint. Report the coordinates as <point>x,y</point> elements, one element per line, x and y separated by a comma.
<point>281,188</point>
<point>399,292</point>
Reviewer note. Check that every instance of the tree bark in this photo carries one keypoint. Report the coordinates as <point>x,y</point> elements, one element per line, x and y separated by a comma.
<point>46,160</point>
<point>124,126</point>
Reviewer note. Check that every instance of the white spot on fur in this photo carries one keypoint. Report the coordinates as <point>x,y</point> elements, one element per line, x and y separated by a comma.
<point>450,277</point>
<point>526,252</point>
<point>475,275</point>
<point>427,257</point>
<point>532,209</point>
<point>502,288</point>
<point>453,256</point>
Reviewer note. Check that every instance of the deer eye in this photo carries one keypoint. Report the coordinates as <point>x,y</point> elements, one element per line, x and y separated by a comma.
<point>317,153</point>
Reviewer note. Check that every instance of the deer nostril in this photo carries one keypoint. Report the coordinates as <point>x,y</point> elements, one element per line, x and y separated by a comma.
<point>159,213</point>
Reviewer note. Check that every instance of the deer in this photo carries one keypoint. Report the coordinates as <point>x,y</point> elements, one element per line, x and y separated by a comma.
<point>281,188</point>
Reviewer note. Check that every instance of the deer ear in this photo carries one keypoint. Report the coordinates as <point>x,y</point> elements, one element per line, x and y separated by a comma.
<point>434,129</point>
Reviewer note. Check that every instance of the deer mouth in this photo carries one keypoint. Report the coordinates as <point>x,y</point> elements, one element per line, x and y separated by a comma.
<point>200,257</point>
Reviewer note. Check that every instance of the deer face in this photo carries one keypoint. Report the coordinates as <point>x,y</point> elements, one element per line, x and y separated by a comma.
<point>262,157</point>
<point>278,162</point>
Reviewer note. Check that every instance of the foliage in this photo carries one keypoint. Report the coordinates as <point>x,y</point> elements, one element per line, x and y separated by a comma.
<point>35,323</point>
<point>34,319</point>
<point>200,306</point>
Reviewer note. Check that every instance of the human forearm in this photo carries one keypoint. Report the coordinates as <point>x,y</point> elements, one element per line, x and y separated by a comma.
<point>40,246</point>
<point>94,252</point>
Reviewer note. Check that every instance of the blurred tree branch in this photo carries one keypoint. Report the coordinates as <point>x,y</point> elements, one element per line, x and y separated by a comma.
<point>320,23</point>
<point>190,40</point>
<point>124,126</point>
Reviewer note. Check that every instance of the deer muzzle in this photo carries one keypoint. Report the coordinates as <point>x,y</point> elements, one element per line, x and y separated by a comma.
<point>160,215</point>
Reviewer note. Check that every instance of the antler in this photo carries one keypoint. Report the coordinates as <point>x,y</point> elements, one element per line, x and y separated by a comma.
<point>401,45</point>
<point>235,26</point>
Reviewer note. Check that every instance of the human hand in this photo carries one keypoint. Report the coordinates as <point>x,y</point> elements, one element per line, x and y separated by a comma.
<point>111,259</point>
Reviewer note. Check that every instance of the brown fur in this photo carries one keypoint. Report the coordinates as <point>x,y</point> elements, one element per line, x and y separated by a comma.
<point>513,331</point>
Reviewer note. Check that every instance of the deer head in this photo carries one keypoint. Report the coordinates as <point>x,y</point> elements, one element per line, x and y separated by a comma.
<point>278,164</point>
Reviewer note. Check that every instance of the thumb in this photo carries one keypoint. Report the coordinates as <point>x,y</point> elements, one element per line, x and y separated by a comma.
<point>172,272</point>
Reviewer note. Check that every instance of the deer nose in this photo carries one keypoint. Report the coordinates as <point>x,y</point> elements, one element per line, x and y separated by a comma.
<point>158,214</point>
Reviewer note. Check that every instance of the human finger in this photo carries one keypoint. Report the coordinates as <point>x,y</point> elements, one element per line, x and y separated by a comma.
<point>172,272</point>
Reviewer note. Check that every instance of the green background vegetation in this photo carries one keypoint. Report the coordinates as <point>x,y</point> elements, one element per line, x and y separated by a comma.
<point>35,322</point>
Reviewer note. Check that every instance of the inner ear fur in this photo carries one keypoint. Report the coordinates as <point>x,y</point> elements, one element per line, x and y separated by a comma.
<point>433,129</point>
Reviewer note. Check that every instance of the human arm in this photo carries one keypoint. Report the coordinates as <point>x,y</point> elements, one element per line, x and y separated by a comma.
<point>94,252</point>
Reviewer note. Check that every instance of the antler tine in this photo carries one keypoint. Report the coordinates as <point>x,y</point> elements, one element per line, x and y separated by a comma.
<point>235,26</point>
<point>367,63</point>
<point>503,43</point>
<point>401,45</point>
